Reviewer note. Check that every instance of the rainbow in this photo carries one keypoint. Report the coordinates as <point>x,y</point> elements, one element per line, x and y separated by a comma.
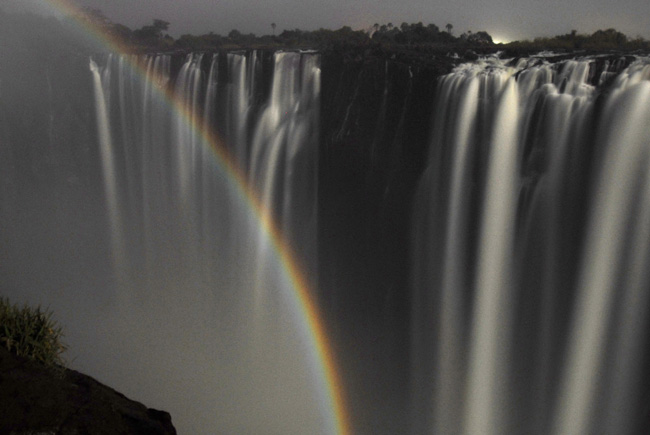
<point>302,293</point>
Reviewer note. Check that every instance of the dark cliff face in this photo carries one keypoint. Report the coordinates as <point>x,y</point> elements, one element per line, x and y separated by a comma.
<point>375,121</point>
<point>376,117</point>
<point>34,398</point>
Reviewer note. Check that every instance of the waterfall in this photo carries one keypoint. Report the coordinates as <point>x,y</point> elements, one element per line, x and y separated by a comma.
<point>530,282</point>
<point>191,255</point>
<point>108,167</point>
<point>476,242</point>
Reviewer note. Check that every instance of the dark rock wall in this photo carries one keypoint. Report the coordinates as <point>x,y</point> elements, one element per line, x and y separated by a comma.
<point>376,117</point>
<point>34,398</point>
<point>375,124</point>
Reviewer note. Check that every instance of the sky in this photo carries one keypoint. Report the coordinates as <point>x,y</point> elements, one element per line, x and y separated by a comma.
<point>505,20</point>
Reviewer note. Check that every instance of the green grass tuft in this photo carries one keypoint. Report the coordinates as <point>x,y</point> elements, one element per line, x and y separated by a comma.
<point>31,333</point>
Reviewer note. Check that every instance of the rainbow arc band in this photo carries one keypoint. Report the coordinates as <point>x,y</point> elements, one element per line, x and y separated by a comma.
<point>310,315</point>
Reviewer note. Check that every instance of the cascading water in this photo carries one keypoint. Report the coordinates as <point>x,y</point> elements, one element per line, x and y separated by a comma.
<point>199,241</point>
<point>192,309</point>
<point>531,251</point>
<point>529,306</point>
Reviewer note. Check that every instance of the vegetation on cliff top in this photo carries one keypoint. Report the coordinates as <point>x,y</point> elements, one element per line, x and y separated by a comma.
<point>610,39</point>
<point>410,36</point>
<point>31,333</point>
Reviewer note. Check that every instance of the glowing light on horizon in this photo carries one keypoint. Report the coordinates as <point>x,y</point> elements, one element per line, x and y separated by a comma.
<point>500,39</point>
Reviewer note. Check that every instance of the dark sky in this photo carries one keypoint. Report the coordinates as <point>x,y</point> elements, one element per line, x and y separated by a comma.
<point>503,19</point>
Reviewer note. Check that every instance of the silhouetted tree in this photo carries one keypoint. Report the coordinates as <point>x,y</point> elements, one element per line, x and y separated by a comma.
<point>433,29</point>
<point>609,37</point>
<point>122,32</point>
<point>152,34</point>
<point>481,37</point>
<point>235,35</point>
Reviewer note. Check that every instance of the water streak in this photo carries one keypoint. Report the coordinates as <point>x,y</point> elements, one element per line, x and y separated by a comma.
<point>531,250</point>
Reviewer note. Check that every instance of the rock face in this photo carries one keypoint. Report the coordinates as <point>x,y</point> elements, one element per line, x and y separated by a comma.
<point>376,109</point>
<point>34,398</point>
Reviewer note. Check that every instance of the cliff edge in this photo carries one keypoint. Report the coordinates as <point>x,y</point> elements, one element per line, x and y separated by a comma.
<point>34,398</point>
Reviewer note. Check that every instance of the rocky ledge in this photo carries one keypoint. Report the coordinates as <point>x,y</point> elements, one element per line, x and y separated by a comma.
<point>37,399</point>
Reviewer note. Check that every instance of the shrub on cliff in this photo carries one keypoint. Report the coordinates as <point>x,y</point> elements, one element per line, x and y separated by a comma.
<point>30,332</point>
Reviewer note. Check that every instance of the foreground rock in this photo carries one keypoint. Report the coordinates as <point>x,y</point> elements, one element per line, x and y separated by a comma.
<point>34,399</point>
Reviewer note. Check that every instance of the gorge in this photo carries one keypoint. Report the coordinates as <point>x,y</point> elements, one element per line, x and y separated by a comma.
<point>473,235</point>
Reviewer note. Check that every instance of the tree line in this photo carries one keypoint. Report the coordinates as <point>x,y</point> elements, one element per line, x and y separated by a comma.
<point>609,39</point>
<point>409,35</point>
<point>155,36</point>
